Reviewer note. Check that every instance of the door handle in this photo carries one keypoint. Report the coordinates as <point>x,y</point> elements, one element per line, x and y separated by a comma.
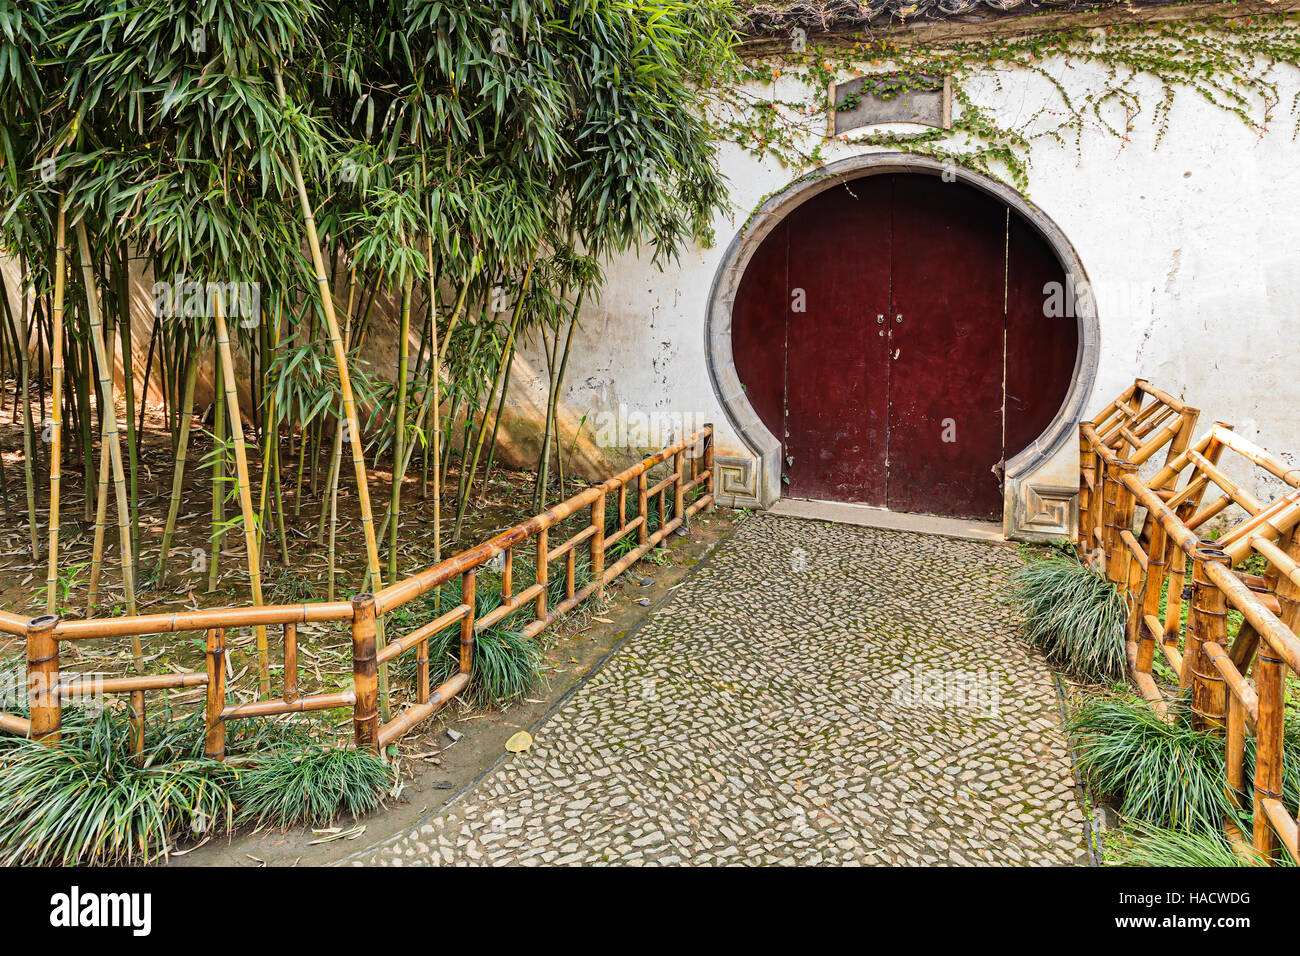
<point>898,319</point>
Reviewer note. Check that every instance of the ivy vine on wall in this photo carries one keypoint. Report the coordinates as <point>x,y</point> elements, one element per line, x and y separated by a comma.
<point>1232,63</point>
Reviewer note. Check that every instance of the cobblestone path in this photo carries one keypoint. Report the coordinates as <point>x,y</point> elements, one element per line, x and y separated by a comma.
<point>812,694</point>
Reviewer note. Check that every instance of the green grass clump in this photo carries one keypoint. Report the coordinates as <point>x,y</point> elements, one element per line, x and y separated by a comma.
<point>1159,847</point>
<point>311,786</point>
<point>1158,774</point>
<point>87,801</point>
<point>1075,615</point>
<point>507,665</point>
<point>1168,774</point>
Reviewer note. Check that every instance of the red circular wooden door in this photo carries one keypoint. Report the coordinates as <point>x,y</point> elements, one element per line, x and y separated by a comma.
<point>892,333</point>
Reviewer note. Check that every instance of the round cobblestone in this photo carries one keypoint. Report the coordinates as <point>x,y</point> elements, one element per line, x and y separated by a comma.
<point>814,694</point>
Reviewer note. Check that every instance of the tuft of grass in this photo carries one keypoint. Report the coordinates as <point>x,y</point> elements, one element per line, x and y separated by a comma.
<point>1160,847</point>
<point>1168,774</point>
<point>1075,615</point>
<point>311,786</point>
<point>87,801</point>
<point>290,587</point>
<point>507,665</point>
<point>1159,774</point>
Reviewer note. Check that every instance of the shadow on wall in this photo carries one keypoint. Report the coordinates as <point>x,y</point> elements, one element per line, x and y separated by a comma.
<point>586,451</point>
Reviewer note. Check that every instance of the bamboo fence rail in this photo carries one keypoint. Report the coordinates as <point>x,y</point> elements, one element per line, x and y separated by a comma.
<point>47,688</point>
<point>1198,582</point>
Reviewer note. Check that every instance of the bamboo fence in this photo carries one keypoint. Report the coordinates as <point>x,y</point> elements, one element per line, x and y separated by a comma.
<point>1197,579</point>
<point>691,487</point>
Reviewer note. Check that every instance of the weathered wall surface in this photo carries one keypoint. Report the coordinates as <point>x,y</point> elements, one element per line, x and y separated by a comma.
<point>1191,246</point>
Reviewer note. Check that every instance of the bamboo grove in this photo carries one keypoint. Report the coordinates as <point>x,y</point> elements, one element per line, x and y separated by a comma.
<point>284,173</point>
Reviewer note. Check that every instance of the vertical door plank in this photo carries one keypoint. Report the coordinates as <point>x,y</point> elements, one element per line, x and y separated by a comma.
<point>837,361</point>
<point>945,392</point>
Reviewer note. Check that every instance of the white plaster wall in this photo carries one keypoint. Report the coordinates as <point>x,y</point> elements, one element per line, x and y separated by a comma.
<point>1192,248</point>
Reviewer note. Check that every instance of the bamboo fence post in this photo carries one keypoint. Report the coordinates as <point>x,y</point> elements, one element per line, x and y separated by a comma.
<point>1087,470</point>
<point>1177,570</point>
<point>422,672</point>
<point>1150,603</point>
<point>245,494</point>
<point>467,582</point>
<point>214,745</point>
<point>137,726</point>
<point>56,409</point>
<point>1183,440</point>
<point>1235,754</point>
<point>1287,591</point>
<point>290,661</point>
<point>1180,442</point>
<point>1269,729</point>
<point>708,466</point>
<point>642,509</point>
<point>43,698</point>
<point>543,574</point>
<point>1206,621</point>
<point>679,489</point>
<point>1120,519</point>
<point>365,673</point>
<point>598,544</point>
<point>1104,518</point>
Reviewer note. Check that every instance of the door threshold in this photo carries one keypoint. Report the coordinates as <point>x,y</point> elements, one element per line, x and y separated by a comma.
<point>866,516</point>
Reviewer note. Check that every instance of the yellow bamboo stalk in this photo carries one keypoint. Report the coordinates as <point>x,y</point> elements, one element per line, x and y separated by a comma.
<point>105,371</point>
<point>399,431</point>
<point>178,463</point>
<point>56,406</point>
<point>101,513</point>
<point>245,492</point>
<point>435,356</point>
<point>345,388</point>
